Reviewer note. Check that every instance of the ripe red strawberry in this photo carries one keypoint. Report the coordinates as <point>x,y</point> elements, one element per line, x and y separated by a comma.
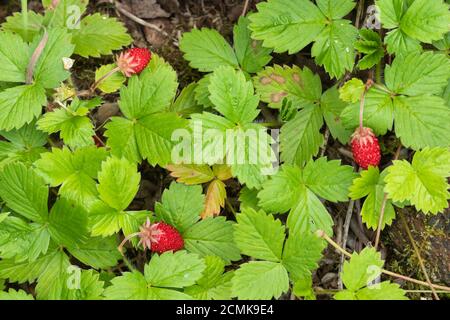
<point>365,148</point>
<point>133,60</point>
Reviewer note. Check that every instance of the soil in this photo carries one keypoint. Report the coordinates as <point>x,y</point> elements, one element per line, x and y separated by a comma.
<point>177,16</point>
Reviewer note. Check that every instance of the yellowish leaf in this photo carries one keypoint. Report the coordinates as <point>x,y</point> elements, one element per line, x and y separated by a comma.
<point>222,171</point>
<point>215,199</point>
<point>191,173</point>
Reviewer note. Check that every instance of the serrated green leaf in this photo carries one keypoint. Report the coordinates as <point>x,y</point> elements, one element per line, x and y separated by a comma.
<point>98,252</point>
<point>181,206</point>
<point>20,105</point>
<point>13,57</point>
<point>206,49</point>
<point>332,107</point>
<point>300,138</point>
<point>89,287</point>
<point>423,183</point>
<point>371,185</point>
<point>259,235</point>
<point>383,291</point>
<point>391,12</point>
<point>397,42</point>
<point>202,91</point>
<point>128,286</point>
<point>75,172</point>
<point>418,74</point>
<point>352,90</point>
<point>248,198</point>
<point>186,103</point>
<point>370,44</point>
<point>233,96</point>
<point>66,14</point>
<point>212,236</point>
<point>174,270</point>
<point>301,87</point>
<point>99,35</point>
<point>191,174</point>
<point>24,191</point>
<point>260,280</point>
<point>52,282</point>
<point>422,121</point>
<point>112,83</point>
<point>14,23</point>
<point>122,139</point>
<point>12,294</point>
<point>252,56</point>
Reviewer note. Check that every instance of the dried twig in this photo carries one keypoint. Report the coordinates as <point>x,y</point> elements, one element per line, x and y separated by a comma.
<point>244,11</point>
<point>417,252</point>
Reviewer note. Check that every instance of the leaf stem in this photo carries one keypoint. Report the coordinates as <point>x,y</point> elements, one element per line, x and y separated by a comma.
<point>323,235</point>
<point>35,57</point>
<point>24,5</point>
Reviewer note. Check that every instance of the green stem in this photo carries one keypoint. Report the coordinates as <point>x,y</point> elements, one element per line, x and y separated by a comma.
<point>24,4</point>
<point>378,73</point>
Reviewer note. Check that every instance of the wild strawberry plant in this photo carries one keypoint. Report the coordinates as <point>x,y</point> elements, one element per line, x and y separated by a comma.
<point>71,223</point>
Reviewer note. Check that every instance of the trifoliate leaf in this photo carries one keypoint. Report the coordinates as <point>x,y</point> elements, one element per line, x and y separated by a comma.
<point>14,57</point>
<point>332,107</point>
<point>49,71</point>
<point>328,179</point>
<point>422,121</point>
<point>301,254</point>
<point>73,171</point>
<point>214,283</point>
<point>191,173</point>
<point>362,269</point>
<point>371,45</point>
<point>24,145</point>
<point>371,185</point>
<point>180,205</point>
<point>212,236</point>
<point>12,294</point>
<point>174,270</point>
<point>24,191</point>
<point>214,199</point>
<point>423,182</point>
<point>417,74</point>
<point>112,83</point>
<point>259,235</point>
<point>233,96</point>
<point>98,252</point>
<point>300,138</point>
<point>20,105</point>
<point>262,280</point>
<point>378,112</point>
<point>352,90</point>
<point>68,223</point>
<point>206,49</point>
<point>252,56</point>
<point>301,87</point>
<point>99,35</point>
<point>14,23</point>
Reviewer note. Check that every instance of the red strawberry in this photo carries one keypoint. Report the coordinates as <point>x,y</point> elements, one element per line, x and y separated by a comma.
<point>365,148</point>
<point>133,60</point>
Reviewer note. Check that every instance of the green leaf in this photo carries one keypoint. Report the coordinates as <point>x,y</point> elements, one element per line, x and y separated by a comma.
<point>20,105</point>
<point>118,182</point>
<point>335,9</point>
<point>49,71</point>
<point>99,35</point>
<point>252,56</point>
<point>214,283</point>
<point>417,74</point>
<point>212,236</point>
<point>12,294</point>
<point>112,83</point>
<point>68,223</point>
<point>300,138</point>
<point>181,205</point>
<point>202,91</point>
<point>233,96</point>
<point>422,121</point>
<point>13,57</point>
<point>371,45</point>
<point>128,286</point>
<point>259,235</point>
<point>248,198</point>
<point>426,20</point>
<point>423,182</point>
<point>383,291</point>
<point>89,287</point>
<point>301,87</point>
<point>14,23</point>
<point>75,130</point>
<point>98,252</point>
<point>191,174</point>
<point>66,14</point>
<point>262,280</point>
<point>206,49</point>
<point>174,270</point>
<point>371,185</point>
<point>73,171</point>
<point>334,48</point>
<point>303,287</point>
<point>52,282</point>
<point>301,254</point>
<point>378,112</point>
<point>352,90</point>
<point>362,269</point>
<point>186,104</point>
<point>391,12</point>
<point>332,107</point>
<point>121,138</point>
<point>397,42</point>
<point>24,191</point>
<point>328,179</point>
